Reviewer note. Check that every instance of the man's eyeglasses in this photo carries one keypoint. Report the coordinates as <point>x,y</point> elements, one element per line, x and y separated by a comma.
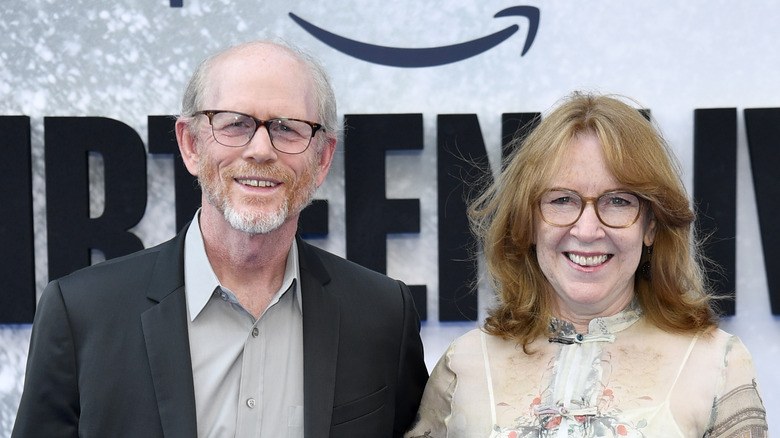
<point>232,129</point>
<point>561,208</point>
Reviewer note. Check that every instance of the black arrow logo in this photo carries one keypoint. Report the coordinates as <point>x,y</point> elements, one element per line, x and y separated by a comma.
<point>431,56</point>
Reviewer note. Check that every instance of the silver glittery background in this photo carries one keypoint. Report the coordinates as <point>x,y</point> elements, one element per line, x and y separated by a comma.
<point>127,59</point>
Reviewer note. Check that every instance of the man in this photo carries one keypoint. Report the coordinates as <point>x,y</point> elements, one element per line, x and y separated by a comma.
<point>235,327</point>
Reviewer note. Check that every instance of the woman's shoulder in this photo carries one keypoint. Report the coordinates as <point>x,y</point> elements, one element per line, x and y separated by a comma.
<point>723,356</point>
<point>473,340</point>
<point>472,336</point>
<point>712,340</point>
<point>474,348</point>
<point>722,343</point>
<point>465,344</point>
<point>738,405</point>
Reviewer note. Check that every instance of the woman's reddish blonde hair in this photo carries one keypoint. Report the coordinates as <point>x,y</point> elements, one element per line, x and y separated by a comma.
<point>674,298</point>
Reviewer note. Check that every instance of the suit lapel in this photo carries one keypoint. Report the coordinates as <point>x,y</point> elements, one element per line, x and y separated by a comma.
<point>167,343</point>
<point>320,344</point>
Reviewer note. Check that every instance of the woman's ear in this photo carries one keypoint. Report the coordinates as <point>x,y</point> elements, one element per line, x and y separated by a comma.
<point>649,237</point>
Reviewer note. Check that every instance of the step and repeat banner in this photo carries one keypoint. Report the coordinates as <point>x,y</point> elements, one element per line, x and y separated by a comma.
<point>426,90</point>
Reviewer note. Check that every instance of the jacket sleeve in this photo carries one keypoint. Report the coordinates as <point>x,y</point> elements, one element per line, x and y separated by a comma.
<point>412,372</point>
<point>50,399</point>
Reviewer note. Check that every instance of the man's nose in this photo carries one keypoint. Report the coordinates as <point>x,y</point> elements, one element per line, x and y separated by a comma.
<point>260,146</point>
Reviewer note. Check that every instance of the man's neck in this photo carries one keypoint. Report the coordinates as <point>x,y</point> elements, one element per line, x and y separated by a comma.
<point>251,266</point>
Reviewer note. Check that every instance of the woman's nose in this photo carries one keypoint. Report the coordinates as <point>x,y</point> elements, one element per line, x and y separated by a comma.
<point>588,226</point>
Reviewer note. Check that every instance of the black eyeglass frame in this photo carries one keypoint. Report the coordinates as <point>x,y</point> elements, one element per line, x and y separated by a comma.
<point>315,127</point>
<point>592,200</point>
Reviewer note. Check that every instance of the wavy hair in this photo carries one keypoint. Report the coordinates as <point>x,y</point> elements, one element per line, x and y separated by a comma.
<point>673,296</point>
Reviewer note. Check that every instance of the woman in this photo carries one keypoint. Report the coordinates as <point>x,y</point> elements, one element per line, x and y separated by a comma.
<point>603,325</point>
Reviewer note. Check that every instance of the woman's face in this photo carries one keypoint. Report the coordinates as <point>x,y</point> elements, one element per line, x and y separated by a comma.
<point>589,265</point>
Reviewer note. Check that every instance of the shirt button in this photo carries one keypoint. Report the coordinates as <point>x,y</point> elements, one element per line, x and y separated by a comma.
<point>255,332</point>
<point>251,403</point>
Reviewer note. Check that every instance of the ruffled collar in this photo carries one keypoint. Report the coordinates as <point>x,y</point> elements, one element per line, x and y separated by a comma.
<point>599,329</point>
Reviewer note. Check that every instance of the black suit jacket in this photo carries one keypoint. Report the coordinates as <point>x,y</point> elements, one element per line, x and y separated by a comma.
<point>109,354</point>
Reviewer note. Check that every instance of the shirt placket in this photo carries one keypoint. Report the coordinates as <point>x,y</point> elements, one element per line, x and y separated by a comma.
<point>250,400</point>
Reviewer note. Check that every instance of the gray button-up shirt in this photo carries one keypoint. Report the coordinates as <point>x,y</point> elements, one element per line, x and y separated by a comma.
<point>248,373</point>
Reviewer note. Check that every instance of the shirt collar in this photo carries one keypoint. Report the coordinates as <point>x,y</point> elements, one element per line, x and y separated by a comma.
<point>200,280</point>
<point>606,325</point>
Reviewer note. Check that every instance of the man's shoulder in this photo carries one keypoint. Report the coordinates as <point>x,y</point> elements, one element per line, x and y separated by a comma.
<point>123,269</point>
<point>338,266</point>
<point>123,283</point>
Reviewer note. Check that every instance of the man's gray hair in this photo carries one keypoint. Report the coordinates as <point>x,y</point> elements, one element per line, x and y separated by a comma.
<point>325,97</point>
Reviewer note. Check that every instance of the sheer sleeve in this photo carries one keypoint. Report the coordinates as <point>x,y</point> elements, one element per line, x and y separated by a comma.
<point>738,411</point>
<point>436,405</point>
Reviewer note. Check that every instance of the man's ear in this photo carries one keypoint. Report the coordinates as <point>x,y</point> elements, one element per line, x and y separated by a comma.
<point>326,158</point>
<point>187,146</point>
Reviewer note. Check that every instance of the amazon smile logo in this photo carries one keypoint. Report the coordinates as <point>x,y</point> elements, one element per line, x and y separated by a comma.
<point>430,56</point>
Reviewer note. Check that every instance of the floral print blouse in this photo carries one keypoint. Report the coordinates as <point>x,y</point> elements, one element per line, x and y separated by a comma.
<point>624,378</point>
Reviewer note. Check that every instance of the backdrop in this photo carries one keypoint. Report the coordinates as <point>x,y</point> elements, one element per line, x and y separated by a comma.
<point>707,70</point>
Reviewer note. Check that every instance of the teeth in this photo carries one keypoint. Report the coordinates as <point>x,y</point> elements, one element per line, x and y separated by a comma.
<point>256,183</point>
<point>588,261</point>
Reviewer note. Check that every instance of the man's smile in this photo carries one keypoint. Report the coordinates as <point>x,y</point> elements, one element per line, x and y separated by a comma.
<point>256,182</point>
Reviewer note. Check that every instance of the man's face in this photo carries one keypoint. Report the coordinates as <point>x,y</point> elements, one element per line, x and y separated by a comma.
<point>255,208</point>
<point>255,187</point>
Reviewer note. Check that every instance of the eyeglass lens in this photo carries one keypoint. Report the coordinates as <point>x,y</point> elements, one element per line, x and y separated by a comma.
<point>236,130</point>
<point>614,209</point>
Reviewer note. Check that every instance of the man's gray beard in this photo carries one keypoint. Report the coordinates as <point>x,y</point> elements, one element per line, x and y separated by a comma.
<point>253,224</point>
<point>249,222</point>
